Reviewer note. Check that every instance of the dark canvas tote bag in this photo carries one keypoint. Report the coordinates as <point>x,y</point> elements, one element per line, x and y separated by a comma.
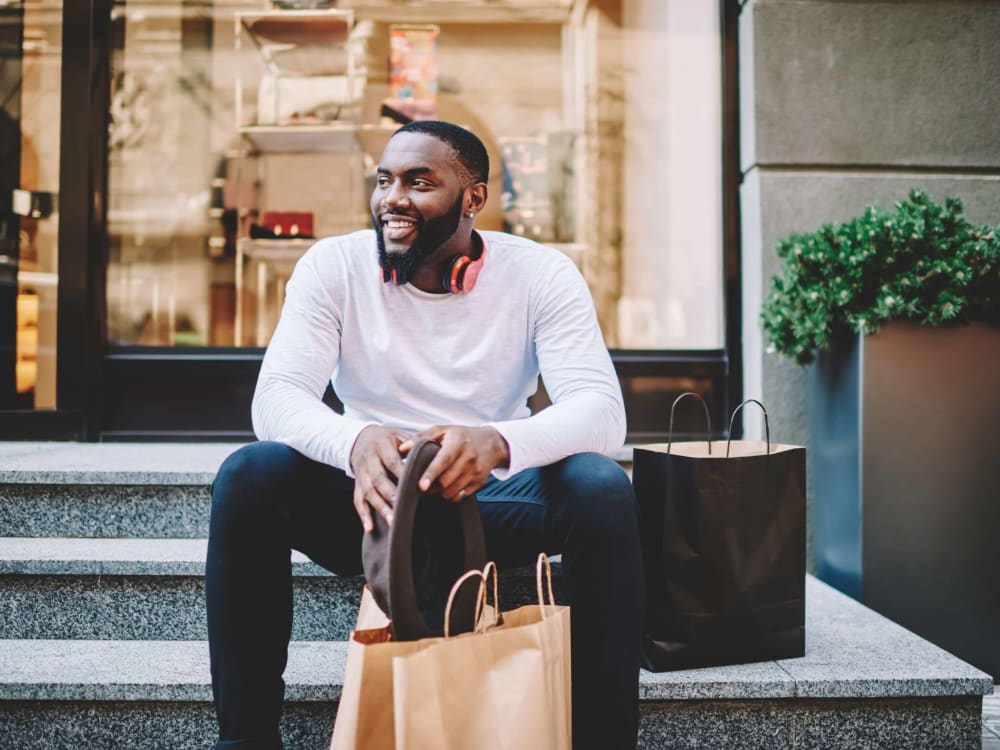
<point>722,525</point>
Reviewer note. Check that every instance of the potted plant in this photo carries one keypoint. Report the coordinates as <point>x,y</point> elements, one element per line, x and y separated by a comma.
<point>896,312</point>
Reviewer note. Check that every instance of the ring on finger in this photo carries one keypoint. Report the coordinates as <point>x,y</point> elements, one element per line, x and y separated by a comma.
<point>462,493</point>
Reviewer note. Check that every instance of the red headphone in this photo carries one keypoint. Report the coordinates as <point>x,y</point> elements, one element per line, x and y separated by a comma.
<point>459,275</point>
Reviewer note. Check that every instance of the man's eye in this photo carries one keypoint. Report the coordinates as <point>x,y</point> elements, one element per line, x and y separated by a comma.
<point>422,183</point>
<point>382,181</point>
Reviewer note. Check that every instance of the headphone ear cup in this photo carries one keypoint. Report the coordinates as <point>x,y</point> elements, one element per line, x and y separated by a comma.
<point>454,274</point>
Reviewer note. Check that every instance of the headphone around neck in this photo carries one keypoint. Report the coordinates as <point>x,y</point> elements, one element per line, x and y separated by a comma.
<point>460,272</point>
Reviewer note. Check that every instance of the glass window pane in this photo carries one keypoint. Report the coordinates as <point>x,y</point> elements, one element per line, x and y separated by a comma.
<point>30,94</point>
<point>239,132</point>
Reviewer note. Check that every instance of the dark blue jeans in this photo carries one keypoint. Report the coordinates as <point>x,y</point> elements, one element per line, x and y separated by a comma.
<point>269,499</point>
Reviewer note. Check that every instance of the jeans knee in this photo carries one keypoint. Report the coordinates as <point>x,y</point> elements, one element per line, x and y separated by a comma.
<point>599,496</point>
<point>251,476</point>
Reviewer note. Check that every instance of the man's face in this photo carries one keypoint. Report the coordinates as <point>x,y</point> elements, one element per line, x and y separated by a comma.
<point>417,202</point>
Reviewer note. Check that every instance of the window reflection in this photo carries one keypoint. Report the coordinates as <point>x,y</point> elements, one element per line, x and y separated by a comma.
<point>228,123</point>
<point>30,91</point>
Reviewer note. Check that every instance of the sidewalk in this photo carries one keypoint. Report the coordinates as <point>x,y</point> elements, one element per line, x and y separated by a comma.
<point>991,720</point>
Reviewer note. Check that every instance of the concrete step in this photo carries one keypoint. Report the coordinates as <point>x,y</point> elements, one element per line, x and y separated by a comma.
<point>153,589</point>
<point>112,490</point>
<point>108,490</point>
<point>864,683</point>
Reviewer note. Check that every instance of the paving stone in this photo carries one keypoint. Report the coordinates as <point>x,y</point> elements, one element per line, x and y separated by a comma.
<point>991,715</point>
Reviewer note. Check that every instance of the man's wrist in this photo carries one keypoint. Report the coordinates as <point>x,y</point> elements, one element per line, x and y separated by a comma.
<point>502,450</point>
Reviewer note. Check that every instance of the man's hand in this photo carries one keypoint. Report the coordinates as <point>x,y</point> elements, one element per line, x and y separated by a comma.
<point>466,458</point>
<point>376,454</point>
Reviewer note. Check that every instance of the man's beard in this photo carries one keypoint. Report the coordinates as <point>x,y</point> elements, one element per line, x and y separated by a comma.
<point>430,236</point>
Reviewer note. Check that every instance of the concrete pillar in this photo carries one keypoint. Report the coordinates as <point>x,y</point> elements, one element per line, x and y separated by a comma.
<point>844,104</point>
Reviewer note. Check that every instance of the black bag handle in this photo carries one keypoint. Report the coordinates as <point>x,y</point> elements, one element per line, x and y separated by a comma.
<point>732,420</point>
<point>708,421</point>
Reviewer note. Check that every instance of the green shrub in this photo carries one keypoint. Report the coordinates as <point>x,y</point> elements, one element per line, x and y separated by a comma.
<point>922,262</point>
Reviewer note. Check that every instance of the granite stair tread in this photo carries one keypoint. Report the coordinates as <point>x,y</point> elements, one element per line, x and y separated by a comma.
<point>113,556</point>
<point>112,463</point>
<point>851,652</point>
<point>125,463</point>
<point>139,556</point>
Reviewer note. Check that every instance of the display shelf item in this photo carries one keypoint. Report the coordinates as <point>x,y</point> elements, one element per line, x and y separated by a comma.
<point>312,60</point>
<point>413,71</point>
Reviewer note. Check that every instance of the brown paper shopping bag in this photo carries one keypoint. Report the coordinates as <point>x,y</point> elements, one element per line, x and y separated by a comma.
<point>505,687</point>
<point>365,713</point>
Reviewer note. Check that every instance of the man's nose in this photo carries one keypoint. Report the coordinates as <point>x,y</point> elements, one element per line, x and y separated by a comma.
<point>395,195</point>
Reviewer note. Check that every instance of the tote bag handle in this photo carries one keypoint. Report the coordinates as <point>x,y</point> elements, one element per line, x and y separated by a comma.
<point>732,421</point>
<point>543,564</point>
<point>708,421</point>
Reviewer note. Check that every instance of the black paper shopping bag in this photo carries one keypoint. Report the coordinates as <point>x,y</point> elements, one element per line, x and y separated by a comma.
<point>723,540</point>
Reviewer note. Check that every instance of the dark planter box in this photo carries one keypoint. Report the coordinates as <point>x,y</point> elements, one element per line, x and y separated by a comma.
<point>905,472</point>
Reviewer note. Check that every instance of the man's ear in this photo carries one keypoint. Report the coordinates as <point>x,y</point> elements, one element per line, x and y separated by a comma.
<point>475,198</point>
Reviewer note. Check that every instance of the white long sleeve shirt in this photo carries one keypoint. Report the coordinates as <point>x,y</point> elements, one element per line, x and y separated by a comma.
<point>401,357</point>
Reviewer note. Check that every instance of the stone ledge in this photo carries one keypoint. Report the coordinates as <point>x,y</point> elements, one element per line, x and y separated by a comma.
<point>112,463</point>
<point>124,557</point>
<point>127,463</point>
<point>142,557</point>
<point>851,653</point>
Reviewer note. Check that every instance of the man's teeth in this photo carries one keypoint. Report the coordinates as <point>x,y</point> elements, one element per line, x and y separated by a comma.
<point>396,224</point>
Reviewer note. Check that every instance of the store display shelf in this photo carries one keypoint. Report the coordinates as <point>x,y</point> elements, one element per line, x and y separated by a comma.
<point>332,137</point>
<point>461,11</point>
<point>298,27</point>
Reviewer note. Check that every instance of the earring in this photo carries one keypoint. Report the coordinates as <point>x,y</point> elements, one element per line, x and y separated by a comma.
<point>471,215</point>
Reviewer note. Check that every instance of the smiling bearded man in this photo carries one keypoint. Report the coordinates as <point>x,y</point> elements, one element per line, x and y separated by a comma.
<point>428,328</point>
<point>402,259</point>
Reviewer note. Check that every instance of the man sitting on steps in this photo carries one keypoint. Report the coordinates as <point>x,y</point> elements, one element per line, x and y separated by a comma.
<point>429,328</point>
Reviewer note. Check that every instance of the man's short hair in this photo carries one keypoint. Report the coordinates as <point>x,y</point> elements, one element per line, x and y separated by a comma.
<point>469,150</point>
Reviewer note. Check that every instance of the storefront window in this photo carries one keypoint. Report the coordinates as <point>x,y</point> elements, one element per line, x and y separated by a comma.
<point>30,90</point>
<point>239,131</point>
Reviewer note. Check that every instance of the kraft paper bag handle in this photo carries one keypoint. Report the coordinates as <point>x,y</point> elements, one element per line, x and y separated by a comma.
<point>490,569</point>
<point>481,624</point>
<point>708,420</point>
<point>732,420</point>
<point>544,559</point>
<point>480,596</point>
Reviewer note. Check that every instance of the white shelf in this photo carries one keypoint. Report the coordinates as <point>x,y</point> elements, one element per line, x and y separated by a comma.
<point>462,11</point>
<point>299,27</point>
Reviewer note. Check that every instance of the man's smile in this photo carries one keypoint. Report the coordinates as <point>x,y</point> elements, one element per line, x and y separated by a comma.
<point>396,227</point>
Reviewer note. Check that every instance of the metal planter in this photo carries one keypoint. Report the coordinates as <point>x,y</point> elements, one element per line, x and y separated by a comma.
<point>905,472</point>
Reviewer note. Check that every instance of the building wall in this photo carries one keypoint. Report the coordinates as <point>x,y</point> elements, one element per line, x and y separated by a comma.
<point>845,103</point>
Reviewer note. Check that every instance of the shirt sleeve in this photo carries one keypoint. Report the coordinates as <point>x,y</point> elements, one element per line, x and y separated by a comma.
<point>298,364</point>
<point>587,412</point>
